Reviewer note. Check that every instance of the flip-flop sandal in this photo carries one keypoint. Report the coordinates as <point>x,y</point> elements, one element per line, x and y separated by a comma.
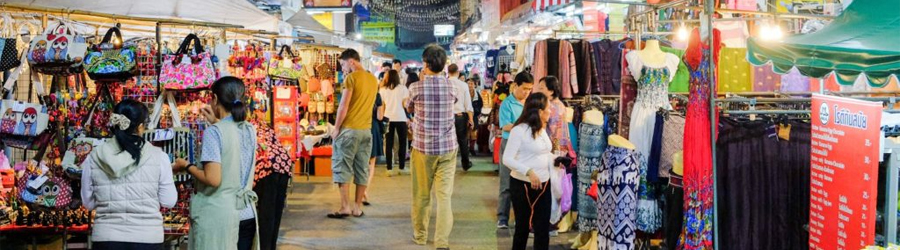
<point>337,215</point>
<point>361,214</point>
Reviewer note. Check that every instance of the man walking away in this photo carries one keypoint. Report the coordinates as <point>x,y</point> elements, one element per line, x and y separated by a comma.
<point>510,110</point>
<point>434,148</point>
<point>462,112</point>
<point>352,134</point>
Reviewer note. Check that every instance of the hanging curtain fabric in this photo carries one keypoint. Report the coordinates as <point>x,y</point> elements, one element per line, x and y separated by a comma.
<point>765,80</point>
<point>764,199</point>
<point>793,81</point>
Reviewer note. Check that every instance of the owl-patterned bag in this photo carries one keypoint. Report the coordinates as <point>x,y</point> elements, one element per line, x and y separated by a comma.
<point>38,186</point>
<point>78,151</point>
<point>58,51</point>
<point>19,118</point>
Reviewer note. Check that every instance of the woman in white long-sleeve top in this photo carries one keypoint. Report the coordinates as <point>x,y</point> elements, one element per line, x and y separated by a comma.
<point>127,180</point>
<point>529,156</point>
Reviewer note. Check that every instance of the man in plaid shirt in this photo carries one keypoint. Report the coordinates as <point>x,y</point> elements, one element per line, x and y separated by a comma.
<point>433,157</point>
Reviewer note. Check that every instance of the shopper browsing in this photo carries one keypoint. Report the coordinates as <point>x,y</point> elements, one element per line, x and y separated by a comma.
<point>434,148</point>
<point>398,66</point>
<point>394,96</point>
<point>462,112</point>
<point>529,156</point>
<point>352,134</point>
<point>510,110</point>
<point>127,180</point>
<point>229,161</point>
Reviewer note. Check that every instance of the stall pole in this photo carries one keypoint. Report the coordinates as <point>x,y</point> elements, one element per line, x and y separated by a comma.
<point>158,55</point>
<point>710,11</point>
<point>890,202</point>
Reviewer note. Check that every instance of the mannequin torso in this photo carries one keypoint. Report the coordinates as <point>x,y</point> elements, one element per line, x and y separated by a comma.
<point>593,117</point>
<point>652,54</point>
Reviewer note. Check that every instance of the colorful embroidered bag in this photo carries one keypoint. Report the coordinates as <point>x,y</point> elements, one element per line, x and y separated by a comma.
<point>285,67</point>
<point>186,70</point>
<point>58,51</point>
<point>111,60</point>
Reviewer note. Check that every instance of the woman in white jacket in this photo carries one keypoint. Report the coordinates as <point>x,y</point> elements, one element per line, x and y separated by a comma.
<point>529,156</point>
<point>127,180</point>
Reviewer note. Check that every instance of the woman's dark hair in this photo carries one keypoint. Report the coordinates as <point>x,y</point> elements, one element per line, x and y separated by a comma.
<point>230,92</point>
<point>531,114</point>
<point>523,77</point>
<point>552,84</point>
<point>393,79</point>
<point>128,139</point>
<point>435,57</point>
<point>411,77</point>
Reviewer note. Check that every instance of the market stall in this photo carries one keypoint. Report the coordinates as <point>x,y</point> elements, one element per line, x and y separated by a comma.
<point>73,96</point>
<point>691,79</point>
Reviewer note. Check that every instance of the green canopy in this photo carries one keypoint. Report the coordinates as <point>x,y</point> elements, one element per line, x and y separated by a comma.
<point>865,38</point>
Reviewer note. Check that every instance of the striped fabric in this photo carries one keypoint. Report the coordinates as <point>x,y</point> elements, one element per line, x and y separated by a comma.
<point>540,5</point>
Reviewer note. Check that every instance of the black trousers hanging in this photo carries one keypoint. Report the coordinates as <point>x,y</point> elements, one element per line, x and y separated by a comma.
<point>538,218</point>
<point>272,192</point>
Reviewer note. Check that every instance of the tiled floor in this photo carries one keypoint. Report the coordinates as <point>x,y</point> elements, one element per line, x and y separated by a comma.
<point>387,222</point>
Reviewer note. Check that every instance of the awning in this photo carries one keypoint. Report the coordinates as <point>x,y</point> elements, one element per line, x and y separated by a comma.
<point>864,39</point>
<point>237,12</point>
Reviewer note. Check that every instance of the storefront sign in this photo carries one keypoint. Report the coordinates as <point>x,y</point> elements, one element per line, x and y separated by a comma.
<point>380,32</point>
<point>844,177</point>
<point>326,3</point>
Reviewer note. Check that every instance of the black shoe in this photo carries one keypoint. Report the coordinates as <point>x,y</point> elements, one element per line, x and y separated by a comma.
<point>466,167</point>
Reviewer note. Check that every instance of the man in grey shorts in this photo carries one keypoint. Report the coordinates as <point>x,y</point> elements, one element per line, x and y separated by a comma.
<point>352,134</point>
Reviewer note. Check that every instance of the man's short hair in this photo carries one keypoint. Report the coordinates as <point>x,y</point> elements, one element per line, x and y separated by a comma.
<point>397,61</point>
<point>350,54</point>
<point>523,77</point>
<point>452,69</point>
<point>435,57</point>
<point>386,64</point>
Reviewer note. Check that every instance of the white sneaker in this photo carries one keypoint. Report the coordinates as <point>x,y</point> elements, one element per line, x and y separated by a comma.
<point>404,171</point>
<point>554,233</point>
<point>391,173</point>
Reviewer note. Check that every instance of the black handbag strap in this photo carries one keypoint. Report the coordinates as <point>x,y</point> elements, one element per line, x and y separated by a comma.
<point>109,33</point>
<point>198,45</point>
<point>288,49</point>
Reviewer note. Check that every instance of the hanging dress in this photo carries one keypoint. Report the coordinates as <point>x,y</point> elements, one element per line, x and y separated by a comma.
<point>653,89</point>
<point>617,181</point>
<point>591,144</point>
<point>698,188</point>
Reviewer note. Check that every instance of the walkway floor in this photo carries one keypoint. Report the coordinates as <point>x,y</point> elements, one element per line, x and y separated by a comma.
<point>386,224</point>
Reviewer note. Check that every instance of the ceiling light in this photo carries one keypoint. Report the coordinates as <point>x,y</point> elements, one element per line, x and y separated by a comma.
<point>682,33</point>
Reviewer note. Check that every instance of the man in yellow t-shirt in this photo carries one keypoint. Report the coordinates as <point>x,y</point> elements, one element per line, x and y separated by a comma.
<point>352,135</point>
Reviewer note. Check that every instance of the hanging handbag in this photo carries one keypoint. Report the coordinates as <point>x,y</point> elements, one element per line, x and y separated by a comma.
<point>23,118</point>
<point>285,67</point>
<point>58,51</point>
<point>40,186</point>
<point>177,141</point>
<point>9,54</point>
<point>82,146</point>
<point>186,70</point>
<point>111,60</point>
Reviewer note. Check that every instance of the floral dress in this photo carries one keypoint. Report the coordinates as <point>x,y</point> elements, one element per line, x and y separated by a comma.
<point>698,188</point>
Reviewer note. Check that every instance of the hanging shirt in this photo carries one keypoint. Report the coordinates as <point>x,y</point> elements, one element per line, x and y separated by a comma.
<point>734,71</point>
<point>734,33</point>
<point>682,76</point>
<point>793,81</point>
<point>765,80</point>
